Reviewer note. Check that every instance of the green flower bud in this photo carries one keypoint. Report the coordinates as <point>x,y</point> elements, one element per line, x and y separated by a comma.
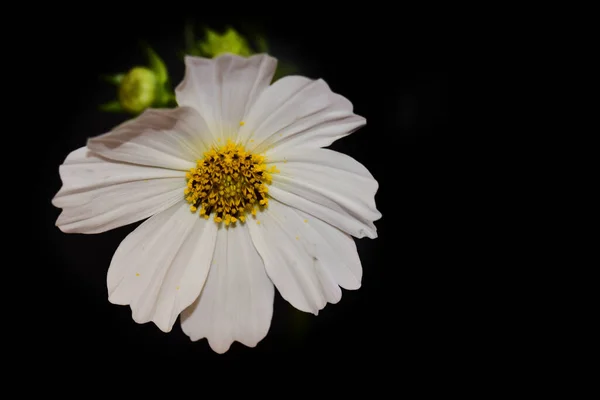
<point>230,42</point>
<point>137,90</point>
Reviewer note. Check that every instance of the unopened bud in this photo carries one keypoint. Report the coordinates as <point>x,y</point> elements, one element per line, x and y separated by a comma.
<point>230,42</point>
<point>138,90</point>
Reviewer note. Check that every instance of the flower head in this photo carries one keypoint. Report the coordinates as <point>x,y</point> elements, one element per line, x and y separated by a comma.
<point>240,196</point>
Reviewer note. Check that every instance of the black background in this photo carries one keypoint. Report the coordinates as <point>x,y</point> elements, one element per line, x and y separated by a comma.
<point>395,69</point>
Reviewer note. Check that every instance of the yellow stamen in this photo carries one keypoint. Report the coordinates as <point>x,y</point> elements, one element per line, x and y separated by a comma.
<point>228,183</point>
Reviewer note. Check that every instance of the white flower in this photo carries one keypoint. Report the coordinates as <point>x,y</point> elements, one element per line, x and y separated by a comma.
<point>235,146</point>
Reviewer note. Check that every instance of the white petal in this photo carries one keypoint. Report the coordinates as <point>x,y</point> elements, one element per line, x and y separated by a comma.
<point>167,138</point>
<point>236,303</point>
<point>98,194</point>
<point>298,112</point>
<point>224,88</point>
<point>334,249</point>
<point>328,185</point>
<point>160,268</point>
<point>300,257</point>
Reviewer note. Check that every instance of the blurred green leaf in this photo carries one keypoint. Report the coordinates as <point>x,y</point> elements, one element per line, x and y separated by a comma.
<point>195,52</point>
<point>261,44</point>
<point>170,99</point>
<point>191,45</point>
<point>112,106</point>
<point>157,65</point>
<point>115,79</point>
<point>165,97</point>
<point>189,37</point>
<point>284,69</point>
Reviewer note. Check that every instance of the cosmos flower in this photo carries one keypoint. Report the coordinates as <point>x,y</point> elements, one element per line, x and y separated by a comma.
<point>241,198</point>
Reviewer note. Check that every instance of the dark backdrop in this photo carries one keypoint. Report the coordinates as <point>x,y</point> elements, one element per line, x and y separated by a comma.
<point>394,69</point>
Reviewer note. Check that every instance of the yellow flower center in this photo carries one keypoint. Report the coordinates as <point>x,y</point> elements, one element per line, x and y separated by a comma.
<point>228,183</point>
